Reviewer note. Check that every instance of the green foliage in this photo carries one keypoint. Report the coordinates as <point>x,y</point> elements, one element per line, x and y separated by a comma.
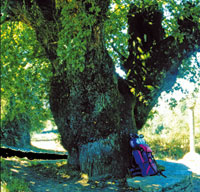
<point>172,103</point>
<point>16,132</point>
<point>190,69</point>
<point>78,25</point>
<point>116,30</point>
<point>145,70</point>
<point>116,25</point>
<point>9,181</point>
<point>25,75</point>
<point>25,71</point>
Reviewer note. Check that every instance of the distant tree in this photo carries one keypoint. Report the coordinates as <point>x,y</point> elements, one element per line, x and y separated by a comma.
<point>24,87</point>
<point>94,108</point>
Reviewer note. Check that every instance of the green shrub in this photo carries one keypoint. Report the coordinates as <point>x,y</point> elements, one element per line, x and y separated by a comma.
<point>173,145</point>
<point>16,132</point>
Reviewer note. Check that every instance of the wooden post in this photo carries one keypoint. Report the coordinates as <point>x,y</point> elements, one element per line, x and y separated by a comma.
<point>192,127</point>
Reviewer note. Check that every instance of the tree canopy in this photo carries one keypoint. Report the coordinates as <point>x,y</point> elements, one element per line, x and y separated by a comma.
<point>25,74</point>
<point>177,16</point>
<point>69,49</point>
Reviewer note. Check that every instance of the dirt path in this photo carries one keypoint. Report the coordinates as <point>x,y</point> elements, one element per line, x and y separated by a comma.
<point>49,178</point>
<point>45,181</point>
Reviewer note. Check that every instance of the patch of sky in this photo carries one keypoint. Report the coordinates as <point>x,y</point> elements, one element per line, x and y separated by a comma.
<point>120,72</point>
<point>187,87</point>
<point>166,12</point>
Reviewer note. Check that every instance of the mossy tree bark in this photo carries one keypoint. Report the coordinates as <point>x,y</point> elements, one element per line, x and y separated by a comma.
<point>92,115</point>
<point>96,110</point>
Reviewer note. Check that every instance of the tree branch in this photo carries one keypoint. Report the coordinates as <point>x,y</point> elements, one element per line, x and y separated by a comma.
<point>154,62</point>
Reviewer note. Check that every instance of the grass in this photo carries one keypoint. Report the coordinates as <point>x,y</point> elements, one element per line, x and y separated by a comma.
<point>55,171</point>
<point>173,145</point>
<point>9,182</point>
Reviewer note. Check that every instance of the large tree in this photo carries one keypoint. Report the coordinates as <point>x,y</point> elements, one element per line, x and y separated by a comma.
<point>94,108</point>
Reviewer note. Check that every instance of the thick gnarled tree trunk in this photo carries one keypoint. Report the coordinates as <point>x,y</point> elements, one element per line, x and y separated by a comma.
<point>92,115</point>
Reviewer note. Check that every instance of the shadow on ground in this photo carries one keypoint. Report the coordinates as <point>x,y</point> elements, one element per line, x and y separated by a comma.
<point>56,176</point>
